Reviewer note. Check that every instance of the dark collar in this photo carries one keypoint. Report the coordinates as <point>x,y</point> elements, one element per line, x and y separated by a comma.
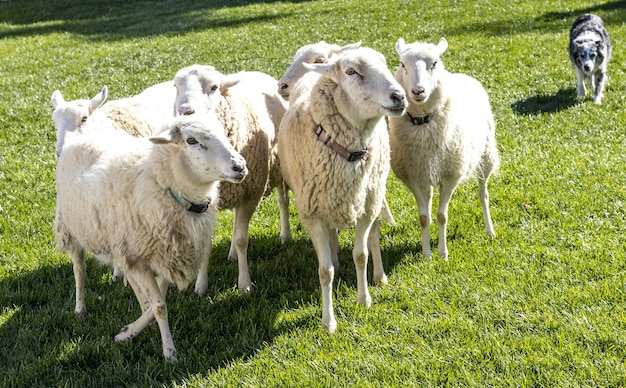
<point>418,120</point>
<point>190,206</point>
<point>353,156</point>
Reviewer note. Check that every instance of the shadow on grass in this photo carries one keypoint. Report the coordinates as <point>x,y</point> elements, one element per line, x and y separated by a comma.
<point>563,99</point>
<point>115,19</point>
<point>613,12</point>
<point>40,333</point>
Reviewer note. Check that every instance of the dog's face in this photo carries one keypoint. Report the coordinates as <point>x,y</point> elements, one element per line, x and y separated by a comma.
<point>588,54</point>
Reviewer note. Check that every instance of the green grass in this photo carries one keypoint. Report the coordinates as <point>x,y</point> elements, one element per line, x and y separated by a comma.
<point>543,304</point>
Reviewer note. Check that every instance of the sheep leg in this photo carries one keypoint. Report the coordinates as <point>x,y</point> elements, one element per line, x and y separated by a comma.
<point>334,248</point>
<point>78,255</point>
<point>202,280</point>
<point>117,274</point>
<point>243,214</point>
<point>144,303</point>
<point>483,195</point>
<point>373,241</point>
<point>321,236</point>
<point>424,197</point>
<point>282,197</point>
<point>445,194</point>
<point>158,310</point>
<point>359,255</point>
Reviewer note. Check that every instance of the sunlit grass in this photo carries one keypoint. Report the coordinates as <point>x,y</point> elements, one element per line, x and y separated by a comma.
<point>542,304</point>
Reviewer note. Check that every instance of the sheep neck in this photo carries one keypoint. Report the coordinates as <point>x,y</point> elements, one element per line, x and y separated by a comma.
<point>418,120</point>
<point>350,156</point>
<point>190,206</point>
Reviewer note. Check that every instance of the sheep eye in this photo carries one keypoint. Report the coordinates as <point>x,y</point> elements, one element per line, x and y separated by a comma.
<point>402,63</point>
<point>433,65</point>
<point>350,71</point>
<point>319,60</point>
<point>214,87</point>
<point>83,119</point>
<point>192,141</point>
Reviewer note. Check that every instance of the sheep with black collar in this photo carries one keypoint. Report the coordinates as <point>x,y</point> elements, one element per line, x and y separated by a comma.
<point>447,134</point>
<point>148,205</point>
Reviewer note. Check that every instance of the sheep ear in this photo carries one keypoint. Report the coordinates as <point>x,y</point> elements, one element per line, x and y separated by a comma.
<point>98,99</point>
<point>57,99</point>
<point>442,45</point>
<point>171,135</point>
<point>322,68</point>
<point>400,46</point>
<point>350,46</point>
<point>230,80</point>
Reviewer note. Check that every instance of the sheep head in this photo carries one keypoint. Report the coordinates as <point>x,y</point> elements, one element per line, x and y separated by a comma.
<point>203,151</point>
<point>367,87</point>
<point>420,68</point>
<point>198,88</point>
<point>68,116</point>
<point>320,52</point>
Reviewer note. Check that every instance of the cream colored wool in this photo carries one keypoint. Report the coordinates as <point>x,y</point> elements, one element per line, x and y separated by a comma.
<point>325,185</point>
<point>115,198</point>
<point>248,106</point>
<point>458,141</point>
<point>349,98</point>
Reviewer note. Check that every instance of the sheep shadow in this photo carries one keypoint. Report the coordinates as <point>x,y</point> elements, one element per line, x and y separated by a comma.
<point>547,103</point>
<point>210,331</point>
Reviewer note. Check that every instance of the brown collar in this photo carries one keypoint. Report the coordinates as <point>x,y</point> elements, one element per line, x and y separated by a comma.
<point>353,156</point>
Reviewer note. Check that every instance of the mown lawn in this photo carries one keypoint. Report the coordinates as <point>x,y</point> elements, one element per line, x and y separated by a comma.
<point>543,304</point>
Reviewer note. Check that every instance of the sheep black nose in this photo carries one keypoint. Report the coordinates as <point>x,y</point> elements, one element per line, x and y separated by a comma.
<point>397,98</point>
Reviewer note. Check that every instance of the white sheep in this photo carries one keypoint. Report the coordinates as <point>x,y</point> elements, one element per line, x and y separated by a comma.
<point>296,81</point>
<point>334,151</point>
<point>147,205</point>
<point>140,115</point>
<point>319,52</point>
<point>447,134</point>
<point>250,109</point>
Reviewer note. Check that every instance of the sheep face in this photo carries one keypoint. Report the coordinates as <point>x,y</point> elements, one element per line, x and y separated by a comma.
<point>70,115</point>
<point>198,88</point>
<point>209,154</point>
<point>420,68</point>
<point>369,89</point>
<point>311,53</point>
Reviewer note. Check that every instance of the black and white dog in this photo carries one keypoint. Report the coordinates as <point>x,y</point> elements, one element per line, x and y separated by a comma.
<point>590,51</point>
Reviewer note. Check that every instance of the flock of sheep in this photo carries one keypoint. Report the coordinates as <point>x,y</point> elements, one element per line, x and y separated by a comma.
<point>140,179</point>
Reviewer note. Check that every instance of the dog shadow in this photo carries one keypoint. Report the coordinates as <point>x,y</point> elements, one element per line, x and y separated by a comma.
<point>547,103</point>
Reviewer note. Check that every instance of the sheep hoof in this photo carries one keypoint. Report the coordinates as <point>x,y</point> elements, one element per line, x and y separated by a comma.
<point>246,289</point>
<point>330,326</point>
<point>380,280</point>
<point>80,312</point>
<point>200,289</point>
<point>365,301</point>
<point>170,356</point>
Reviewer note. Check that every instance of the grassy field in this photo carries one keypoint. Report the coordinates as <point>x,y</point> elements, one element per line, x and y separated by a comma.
<point>543,304</point>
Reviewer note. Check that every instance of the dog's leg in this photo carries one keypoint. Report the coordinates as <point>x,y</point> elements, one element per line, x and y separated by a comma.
<point>580,82</point>
<point>601,79</point>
